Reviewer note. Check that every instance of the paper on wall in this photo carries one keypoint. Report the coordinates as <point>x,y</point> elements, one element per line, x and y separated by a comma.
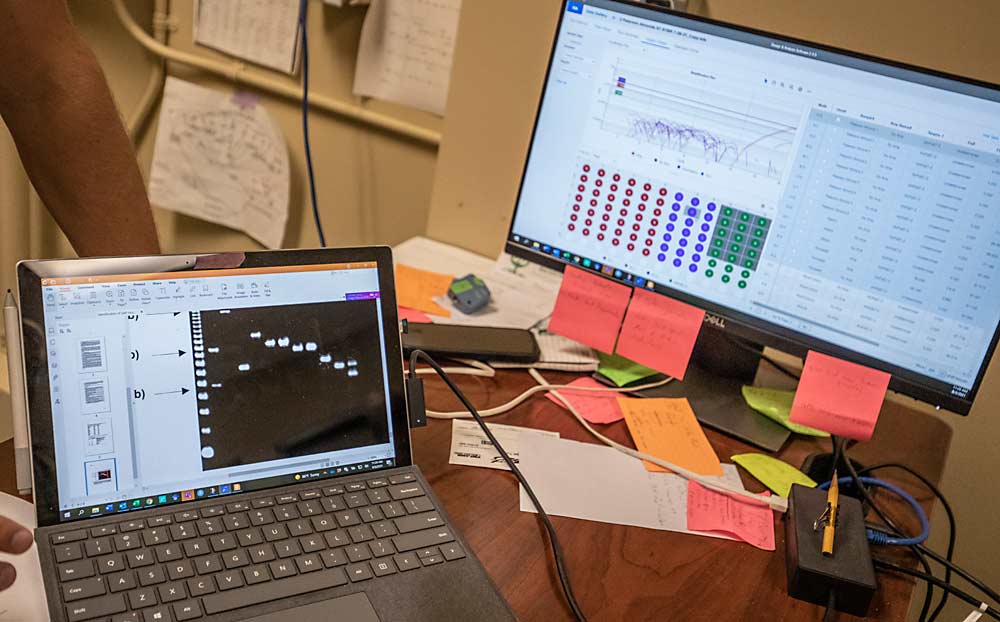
<point>265,32</point>
<point>25,600</point>
<point>470,447</point>
<point>405,52</point>
<point>221,158</point>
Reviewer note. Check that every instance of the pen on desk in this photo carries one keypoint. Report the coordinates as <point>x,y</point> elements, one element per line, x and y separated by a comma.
<point>832,503</point>
<point>15,367</point>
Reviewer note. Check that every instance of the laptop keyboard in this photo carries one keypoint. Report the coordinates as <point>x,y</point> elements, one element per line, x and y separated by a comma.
<point>188,563</point>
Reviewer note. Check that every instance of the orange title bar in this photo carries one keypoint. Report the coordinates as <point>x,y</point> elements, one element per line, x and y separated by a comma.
<point>200,274</point>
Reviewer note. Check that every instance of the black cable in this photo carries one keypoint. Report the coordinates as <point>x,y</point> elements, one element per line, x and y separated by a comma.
<point>952,529</point>
<point>951,566</point>
<point>557,553</point>
<point>831,607</point>
<point>931,579</point>
<point>303,7</point>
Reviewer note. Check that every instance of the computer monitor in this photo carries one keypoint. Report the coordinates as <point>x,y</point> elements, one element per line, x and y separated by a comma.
<point>808,198</point>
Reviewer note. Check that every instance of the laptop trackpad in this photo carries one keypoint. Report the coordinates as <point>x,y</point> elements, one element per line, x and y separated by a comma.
<point>356,608</point>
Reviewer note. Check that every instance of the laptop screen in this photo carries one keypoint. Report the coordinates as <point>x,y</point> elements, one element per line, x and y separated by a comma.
<point>172,387</point>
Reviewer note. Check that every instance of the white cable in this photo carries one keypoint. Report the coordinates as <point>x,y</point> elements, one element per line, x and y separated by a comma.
<point>978,613</point>
<point>774,502</point>
<point>474,368</point>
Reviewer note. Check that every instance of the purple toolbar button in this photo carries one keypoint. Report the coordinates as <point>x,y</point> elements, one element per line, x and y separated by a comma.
<point>361,296</point>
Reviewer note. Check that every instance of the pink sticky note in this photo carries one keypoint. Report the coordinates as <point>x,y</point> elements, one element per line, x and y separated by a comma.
<point>589,309</point>
<point>839,397</point>
<point>593,406</point>
<point>413,315</point>
<point>708,510</point>
<point>659,332</point>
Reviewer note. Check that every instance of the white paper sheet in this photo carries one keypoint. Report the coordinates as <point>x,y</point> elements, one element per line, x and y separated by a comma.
<point>406,51</point>
<point>470,447</point>
<point>598,483</point>
<point>221,158</point>
<point>25,600</point>
<point>265,32</point>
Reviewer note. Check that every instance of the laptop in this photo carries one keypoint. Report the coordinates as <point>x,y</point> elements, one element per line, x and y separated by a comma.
<point>225,437</point>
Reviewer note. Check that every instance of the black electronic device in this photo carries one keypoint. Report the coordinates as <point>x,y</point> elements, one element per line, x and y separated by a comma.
<point>474,342</point>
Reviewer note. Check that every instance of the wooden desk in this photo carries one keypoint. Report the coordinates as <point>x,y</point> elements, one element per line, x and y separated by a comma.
<point>627,573</point>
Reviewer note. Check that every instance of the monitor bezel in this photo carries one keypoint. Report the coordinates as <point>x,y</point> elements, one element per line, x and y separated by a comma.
<point>730,321</point>
<point>31,273</point>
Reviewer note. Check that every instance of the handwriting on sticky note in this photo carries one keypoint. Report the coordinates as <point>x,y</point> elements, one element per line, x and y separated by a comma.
<point>595,407</point>
<point>776,405</point>
<point>416,289</point>
<point>622,371</point>
<point>773,473</point>
<point>840,397</point>
<point>589,309</point>
<point>667,428</point>
<point>708,510</point>
<point>413,315</point>
<point>660,332</point>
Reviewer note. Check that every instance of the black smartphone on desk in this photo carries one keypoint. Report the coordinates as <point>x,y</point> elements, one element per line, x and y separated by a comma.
<point>482,343</point>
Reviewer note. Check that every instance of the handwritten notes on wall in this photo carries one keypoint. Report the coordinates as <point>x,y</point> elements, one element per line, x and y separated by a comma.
<point>667,428</point>
<point>660,332</point>
<point>839,397</point>
<point>265,32</point>
<point>589,309</point>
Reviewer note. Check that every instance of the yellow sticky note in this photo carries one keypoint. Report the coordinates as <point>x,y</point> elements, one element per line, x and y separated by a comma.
<point>667,428</point>
<point>776,405</point>
<point>416,289</point>
<point>773,473</point>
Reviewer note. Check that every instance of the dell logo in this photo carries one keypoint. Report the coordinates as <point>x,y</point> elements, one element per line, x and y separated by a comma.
<point>715,321</point>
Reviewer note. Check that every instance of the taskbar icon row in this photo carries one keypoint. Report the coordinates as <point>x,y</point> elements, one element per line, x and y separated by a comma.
<point>129,505</point>
<point>585,262</point>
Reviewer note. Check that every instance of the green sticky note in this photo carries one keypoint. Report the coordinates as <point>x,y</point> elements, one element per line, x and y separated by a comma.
<point>777,406</point>
<point>773,473</point>
<point>622,371</point>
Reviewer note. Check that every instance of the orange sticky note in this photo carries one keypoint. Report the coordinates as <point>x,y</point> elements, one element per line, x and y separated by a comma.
<point>413,315</point>
<point>667,428</point>
<point>708,510</point>
<point>659,332</point>
<point>839,397</point>
<point>593,406</point>
<point>589,309</point>
<point>416,289</point>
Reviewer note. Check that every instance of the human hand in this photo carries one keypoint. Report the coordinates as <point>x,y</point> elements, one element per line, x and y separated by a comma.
<point>16,539</point>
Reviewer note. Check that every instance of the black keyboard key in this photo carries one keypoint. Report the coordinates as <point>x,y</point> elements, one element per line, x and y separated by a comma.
<point>229,580</point>
<point>235,559</point>
<point>110,563</point>
<point>287,548</point>
<point>275,532</point>
<point>188,610</point>
<point>402,478</point>
<point>127,541</point>
<point>407,561</point>
<point>237,521</point>
<point>201,586</point>
<point>262,553</point>
<point>382,548</point>
<point>286,512</point>
<point>186,515</point>
<point>426,520</point>
<point>337,538</point>
<point>250,537</point>
<point>131,616</point>
<point>287,498</point>
<point>144,597</point>
<point>155,536</point>
<point>310,508</point>
<point>238,506</point>
<point>430,561</point>
<point>211,526</point>
<point>431,550</point>
<point>405,491</point>
<point>68,536</point>
<point>355,500</point>
<point>422,539</point>
<point>262,503</point>
<point>300,527</point>
<point>208,564</point>
<point>384,529</point>
<point>68,552</point>
<point>378,496</point>
<point>378,482</point>
<point>80,569</point>
<point>180,569</point>
<point>323,523</point>
<point>183,531</point>
<point>333,557</point>
<point>309,494</point>
<point>333,504</point>
<point>152,576</point>
<point>360,533</point>
<point>168,553</point>
<point>132,525</point>
<point>160,521</point>
<point>282,568</point>
<point>359,572</point>
<point>194,548</point>
<point>95,607</point>
<point>215,510</point>
<point>274,590</point>
<point>172,592</point>
<point>358,552</point>
<point>84,588</point>
<point>263,516</point>
<point>393,509</point>
<point>308,563</point>
<point>256,574</point>
<point>452,551</point>
<point>347,518</point>
<point>105,530</point>
<point>224,542</point>
<point>122,581</point>
<point>383,567</point>
<point>311,544</point>
<point>418,505</point>
<point>331,491</point>
<point>158,614</point>
<point>354,486</point>
<point>98,546</point>
<point>370,514</point>
<point>140,558</point>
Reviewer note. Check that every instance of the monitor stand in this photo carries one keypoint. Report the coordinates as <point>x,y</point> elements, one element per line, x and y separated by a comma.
<point>713,383</point>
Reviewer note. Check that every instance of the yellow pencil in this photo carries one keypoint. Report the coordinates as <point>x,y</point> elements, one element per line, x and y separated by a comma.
<point>832,501</point>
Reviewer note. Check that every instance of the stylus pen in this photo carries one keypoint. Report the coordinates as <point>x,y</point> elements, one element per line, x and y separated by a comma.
<point>15,368</point>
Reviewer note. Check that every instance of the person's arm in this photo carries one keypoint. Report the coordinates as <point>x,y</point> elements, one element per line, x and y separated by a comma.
<point>57,105</point>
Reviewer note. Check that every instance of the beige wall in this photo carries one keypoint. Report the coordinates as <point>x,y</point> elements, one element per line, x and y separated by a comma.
<point>499,67</point>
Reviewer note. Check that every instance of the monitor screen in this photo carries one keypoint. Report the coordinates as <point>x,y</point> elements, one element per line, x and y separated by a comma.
<point>173,387</point>
<point>817,198</point>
